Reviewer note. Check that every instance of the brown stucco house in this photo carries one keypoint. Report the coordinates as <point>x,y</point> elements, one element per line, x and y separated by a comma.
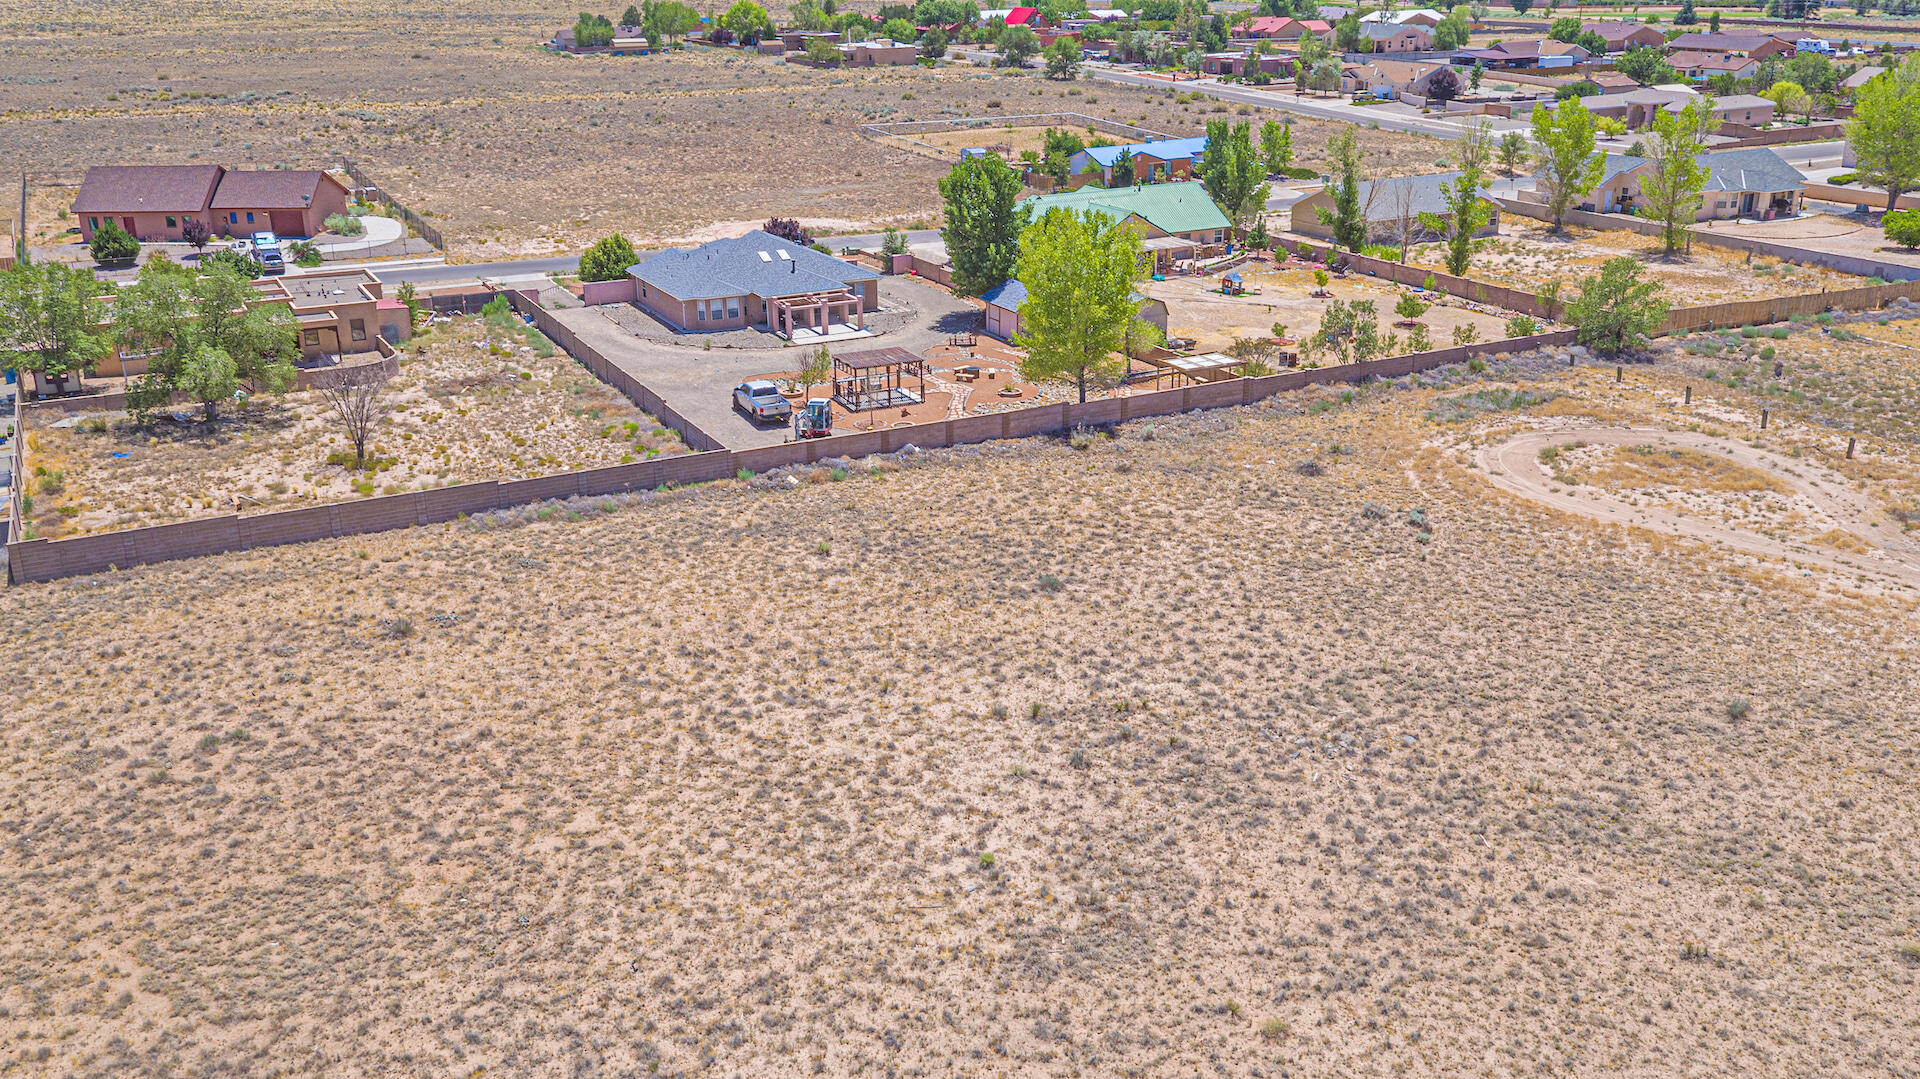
<point>1621,36</point>
<point>155,201</point>
<point>757,281</point>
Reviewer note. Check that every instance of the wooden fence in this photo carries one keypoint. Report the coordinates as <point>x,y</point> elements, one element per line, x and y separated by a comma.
<point>44,560</point>
<point>379,194</point>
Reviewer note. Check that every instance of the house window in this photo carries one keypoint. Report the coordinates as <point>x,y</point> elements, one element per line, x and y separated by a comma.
<point>249,217</point>
<point>700,311</point>
<point>733,307</point>
<point>171,223</point>
<point>359,328</point>
<point>93,222</point>
<point>233,219</point>
<point>719,308</point>
<point>312,337</point>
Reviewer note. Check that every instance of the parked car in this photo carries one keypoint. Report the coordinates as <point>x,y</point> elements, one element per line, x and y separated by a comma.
<point>761,400</point>
<point>266,250</point>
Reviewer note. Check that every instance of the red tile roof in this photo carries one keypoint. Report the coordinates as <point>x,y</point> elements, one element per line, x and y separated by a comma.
<point>153,189</point>
<point>268,189</point>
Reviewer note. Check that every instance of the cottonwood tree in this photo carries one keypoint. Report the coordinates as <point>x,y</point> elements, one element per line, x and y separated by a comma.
<point>748,21</point>
<point>983,222</point>
<point>1615,308</point>
<point>1015,45</point>
<point>210,376</point>
<point>1885,130</point>
<point>356,398</point>
<point>1565,163</point>
<point>1670,193</point>
<point>176,316</point>
<point>50,315</point>
<point>1063,59</point>
<point>1347,219</point>
<point>1276,147</point>
<point>1467,210</point>
<point>1233,174</point>
<point>1079,273</point>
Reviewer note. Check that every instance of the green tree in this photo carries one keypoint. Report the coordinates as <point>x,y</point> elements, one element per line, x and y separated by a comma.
<point>1346,33</point>
<point>1467,211</point>
<point>608,259</point>
<point>50,315</point>
<point>1687,16</point>
<point>1566,166</point>
<point>1452,32</point>
<point>1079,273</point>
<point>631,16</point>
<point>1615,309</point>
<point>1016,45</point>
<point>1903,227</point>
<point>1475,76</point>
<point>1521,7</point>
<point>1790,98</point>
<point>748,22</point>
<point>211,376</point>
<point>933,43</point>
<point>1233,173</point>
<point>822,52</point>
<point>901,31</point>
<point>410,297</point>
<point>111,243</point>
<point>893,242</point>
<point>1348,218</point>
<point>1645,66</point>
<point>1564,30</point>
<point>807,15</point>
<point>1513,151</point>
<point>1056,155</point>
<point>177,316</point>
<point>592,30</point>
<point>983,222</point>
<point>1063,59</point>
<point>1670,193</point>
<point>1324,77</point>
<point>1713,22</point>
<point>1885,130</point>
<point>1276,147</point>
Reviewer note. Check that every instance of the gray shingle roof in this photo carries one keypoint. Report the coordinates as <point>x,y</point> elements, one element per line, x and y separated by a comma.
<point>1750,170</point>
<point>1382,197</point>
<point>749,265</point>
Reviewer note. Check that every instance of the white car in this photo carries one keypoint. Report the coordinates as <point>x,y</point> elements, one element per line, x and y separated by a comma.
<point>761,401</point>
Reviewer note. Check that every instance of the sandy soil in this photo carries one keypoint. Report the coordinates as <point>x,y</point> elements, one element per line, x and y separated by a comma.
<point>1198,311</point>
<point>1526,255</point>
<point>1840,235</point>
<point>510,149</point>
<point>471,402</point>
<point>1171,755</point>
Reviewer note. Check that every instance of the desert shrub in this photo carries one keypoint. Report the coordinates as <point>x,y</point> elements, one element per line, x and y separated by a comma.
<point>1738,709</point>
<point>1903,228</point>
<point>1050,583</point>
<point>343,225</point>
<point>1467,406</point>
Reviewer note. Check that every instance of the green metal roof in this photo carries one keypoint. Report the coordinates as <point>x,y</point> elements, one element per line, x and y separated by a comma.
<point>1170,207</point>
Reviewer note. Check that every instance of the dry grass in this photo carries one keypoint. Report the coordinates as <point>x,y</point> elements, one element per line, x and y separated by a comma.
<point>471,402</point>
<point>1159,756</point>
<point>1638,467</point>
<point>510,149</point>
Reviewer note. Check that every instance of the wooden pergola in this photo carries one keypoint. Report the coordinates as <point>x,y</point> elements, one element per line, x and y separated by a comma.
<point>814,311</point>
<point>875,379</point>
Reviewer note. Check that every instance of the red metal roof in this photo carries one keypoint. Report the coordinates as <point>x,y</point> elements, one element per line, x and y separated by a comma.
<point>1020,16</point>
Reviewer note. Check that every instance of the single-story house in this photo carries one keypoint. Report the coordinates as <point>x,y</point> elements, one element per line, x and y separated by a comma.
<point>1424,16</point>
<point>1153,162</point>
<point>1861,77</point>
<point>758,280</point>
<point>1387,37</point>
<point>1636,108</point>
<point>796,40</point>
<point>626,39</point>
<point>1740,183</point>
<point>1386,203</point>
<point>1611,82</point>
<point>1003,309</point>
<point>1702,65</point>
<point>155,201</point>
<point>1243,63</point>
<point>1756,45</point>
<point>880,52</point>
<point>1389,78</point>
<point>1281,28</point>
<point>1525,53</point>
<point>1621,36</point>
<point>1175,220</point>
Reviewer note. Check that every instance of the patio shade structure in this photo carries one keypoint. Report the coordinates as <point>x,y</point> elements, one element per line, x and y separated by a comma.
<point>875,379</point>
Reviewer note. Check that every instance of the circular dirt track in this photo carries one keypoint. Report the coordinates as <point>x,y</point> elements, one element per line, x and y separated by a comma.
<point>1514,466</point>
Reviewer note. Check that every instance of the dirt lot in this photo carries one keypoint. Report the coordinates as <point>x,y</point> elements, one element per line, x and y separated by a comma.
<point>1363,768</point>
<point>1849,235</point>
<point>1197,310</point>
<point>1526,255</point>
<point>470,403</point>
<point>512,150</point>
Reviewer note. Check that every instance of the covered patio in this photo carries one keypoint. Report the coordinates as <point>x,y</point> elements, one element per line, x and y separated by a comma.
<point>816,315</point>
<point>1165,249</point>
<point>876,379</point>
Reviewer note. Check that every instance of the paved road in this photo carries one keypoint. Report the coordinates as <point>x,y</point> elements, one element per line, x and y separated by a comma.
<point>566,264</point>
<point>1321,108</point>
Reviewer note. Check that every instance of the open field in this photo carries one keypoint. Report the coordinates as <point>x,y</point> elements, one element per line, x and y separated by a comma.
<point>1196,310</point>
<point>512,150</point>
<point>1275,739</point>
<point>1526,255</point>
<point>471,402</point>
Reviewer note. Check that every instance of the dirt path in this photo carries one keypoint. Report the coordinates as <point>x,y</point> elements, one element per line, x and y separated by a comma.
<point>1514,466</point>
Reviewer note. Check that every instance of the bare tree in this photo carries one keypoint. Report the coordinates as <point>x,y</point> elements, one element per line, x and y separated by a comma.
<point>1399,196</point>
<point>355,396</point>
